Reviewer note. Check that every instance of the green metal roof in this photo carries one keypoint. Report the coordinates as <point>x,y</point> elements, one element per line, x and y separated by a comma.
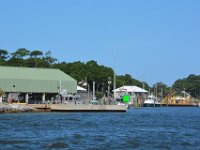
<point>33,73</point>
<point>22,79</point>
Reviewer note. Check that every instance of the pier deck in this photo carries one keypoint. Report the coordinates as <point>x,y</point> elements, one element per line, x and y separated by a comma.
<point>87,108</point>
<point>180,105</point>
<point>79,107</point>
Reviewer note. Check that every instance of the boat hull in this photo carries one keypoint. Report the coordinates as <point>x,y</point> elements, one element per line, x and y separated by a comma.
<point>151,105</point>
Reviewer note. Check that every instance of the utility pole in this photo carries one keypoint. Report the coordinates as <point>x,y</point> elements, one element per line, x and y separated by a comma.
<point>94,91</point>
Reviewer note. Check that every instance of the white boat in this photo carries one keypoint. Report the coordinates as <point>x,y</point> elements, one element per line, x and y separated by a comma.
<point>151,101</point>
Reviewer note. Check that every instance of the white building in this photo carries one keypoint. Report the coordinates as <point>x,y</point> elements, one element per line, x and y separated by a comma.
<point>134,92</point>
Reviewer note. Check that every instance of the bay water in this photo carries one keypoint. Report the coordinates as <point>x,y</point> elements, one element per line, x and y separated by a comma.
<point>143,128</point>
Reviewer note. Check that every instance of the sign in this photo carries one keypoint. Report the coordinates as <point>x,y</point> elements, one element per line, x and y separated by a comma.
<point>126,98</point>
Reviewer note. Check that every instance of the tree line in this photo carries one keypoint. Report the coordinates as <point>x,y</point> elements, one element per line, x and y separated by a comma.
<point>92,71</point>
<point>191,84</point>
<point>26,58</point>
<point>82,72</point>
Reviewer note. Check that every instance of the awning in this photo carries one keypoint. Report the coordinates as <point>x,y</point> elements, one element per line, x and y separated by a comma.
<point>80,89</point>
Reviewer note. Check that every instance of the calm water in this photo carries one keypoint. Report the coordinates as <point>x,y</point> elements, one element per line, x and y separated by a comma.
<point>144,128</point>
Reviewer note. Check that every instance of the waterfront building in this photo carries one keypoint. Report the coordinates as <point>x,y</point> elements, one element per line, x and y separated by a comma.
<point>35,85</point>
<point>137,94</point>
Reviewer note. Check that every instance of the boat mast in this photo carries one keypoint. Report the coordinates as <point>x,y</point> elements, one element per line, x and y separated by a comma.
<point>156,94</point>
<point>114,82</point>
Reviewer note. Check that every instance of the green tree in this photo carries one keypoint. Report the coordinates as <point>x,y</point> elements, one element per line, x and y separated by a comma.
<point>20,53</point>
<point>162,89</point>
<point>191,84</point>
<point>3,54</point>
<point>49,59</point>
<point>35,60</point>
<point>127,79</point>
<point>36,53</point>
<point>16,62</point>
<point>89,71</point>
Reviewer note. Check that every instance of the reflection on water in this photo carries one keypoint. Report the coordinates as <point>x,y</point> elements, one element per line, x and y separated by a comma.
<point>145,128</point>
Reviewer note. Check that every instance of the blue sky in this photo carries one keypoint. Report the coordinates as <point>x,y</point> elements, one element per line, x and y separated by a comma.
<point>152,40</point>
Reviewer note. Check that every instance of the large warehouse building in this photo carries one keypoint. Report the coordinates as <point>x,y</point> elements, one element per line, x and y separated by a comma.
<point>38,82</point>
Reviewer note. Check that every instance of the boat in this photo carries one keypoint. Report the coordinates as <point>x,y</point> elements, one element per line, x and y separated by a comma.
<point>120,102</point>
<point>151,101</point>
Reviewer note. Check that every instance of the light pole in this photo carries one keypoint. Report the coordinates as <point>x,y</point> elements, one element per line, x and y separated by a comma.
<point>88,85</point>
<point>109,82</point>
<point>94,97</point>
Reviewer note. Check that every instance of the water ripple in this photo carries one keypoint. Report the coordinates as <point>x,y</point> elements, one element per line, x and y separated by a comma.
<point>145,128</point>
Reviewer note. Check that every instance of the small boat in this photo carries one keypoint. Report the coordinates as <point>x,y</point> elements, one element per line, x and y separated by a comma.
<point>120,101</point>
<point>151,101</point>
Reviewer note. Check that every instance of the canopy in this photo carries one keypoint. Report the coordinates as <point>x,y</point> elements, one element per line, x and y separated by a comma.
<point>80,88</point>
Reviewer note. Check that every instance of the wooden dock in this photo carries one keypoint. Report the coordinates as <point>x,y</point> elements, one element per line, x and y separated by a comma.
<point>180,105</point>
